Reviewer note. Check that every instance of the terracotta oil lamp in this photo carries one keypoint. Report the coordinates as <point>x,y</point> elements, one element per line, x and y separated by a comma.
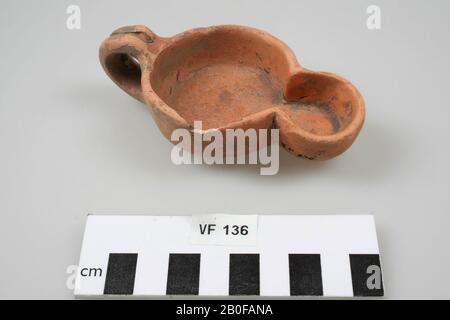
<point>233,77</point>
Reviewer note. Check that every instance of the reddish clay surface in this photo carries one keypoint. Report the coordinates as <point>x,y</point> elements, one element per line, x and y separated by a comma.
<point>235,77</point>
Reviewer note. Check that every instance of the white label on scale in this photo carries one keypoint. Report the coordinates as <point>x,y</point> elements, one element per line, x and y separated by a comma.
<point>224,229</point>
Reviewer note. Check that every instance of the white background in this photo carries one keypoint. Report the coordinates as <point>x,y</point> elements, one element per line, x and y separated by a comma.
<point>72,143</point>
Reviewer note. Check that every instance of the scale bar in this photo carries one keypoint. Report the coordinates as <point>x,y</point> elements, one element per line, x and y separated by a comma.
<point>333,256</point>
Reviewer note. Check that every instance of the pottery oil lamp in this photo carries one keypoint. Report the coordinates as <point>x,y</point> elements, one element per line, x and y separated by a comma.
<point>233,77</point>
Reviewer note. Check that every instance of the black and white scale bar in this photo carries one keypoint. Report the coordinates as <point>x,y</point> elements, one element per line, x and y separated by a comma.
<point>305,274</point>
<point>295,256</point>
